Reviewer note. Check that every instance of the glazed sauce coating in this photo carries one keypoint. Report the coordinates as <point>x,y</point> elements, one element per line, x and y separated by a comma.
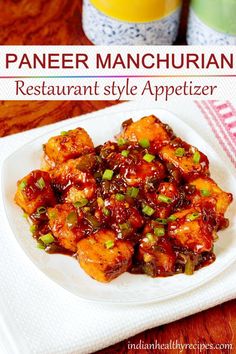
<point>143,204</point>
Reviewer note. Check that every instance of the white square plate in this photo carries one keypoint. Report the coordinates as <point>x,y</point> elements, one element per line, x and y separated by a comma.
<point>127,288</point>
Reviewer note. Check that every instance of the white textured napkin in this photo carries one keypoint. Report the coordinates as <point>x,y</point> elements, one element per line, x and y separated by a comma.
<point>38,316</point>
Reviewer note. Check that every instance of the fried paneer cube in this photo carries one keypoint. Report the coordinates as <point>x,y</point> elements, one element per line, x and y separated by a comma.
<point>156,256</point>
<point>34,191</point>
<point>122,217</point>
<point>150,128</point>
<point>189,230</point>
<point>68,145</point>
<point>186,158</point>
<point>162,200</point>
<point>133,164</point>
<point>143,173</point>
<point>103,257</point>
<point>207,190</point>
<point>68,225</point>
<point>74,184</point>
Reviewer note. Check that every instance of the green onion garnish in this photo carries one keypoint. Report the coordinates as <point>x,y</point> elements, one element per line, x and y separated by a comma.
<point>107,175</point>
<point>41,210</point>
<point>100,202</point>
<point>150,237</point>
<point>121,141</point>
<point>41,246</point>
<point>47,239</point>
<point>64,133</point>
<point>109,244</point>
<point>22,185</point>
<point>93,221</point>
<point>25,215</point>
<point>106,211</point>
<point>144,143</point>
<point>81,203</point>
<point>33,228</point>
<point>196,157</point>
<point>124,226</point>
<point>72,219</point>
<point>205,193</point>
<point>133,192</point>
<point>159,231</point>
<point>148,157</point>
<point>180,152</point>
<point>125,153</point>
<point>148,210</point>
<point>189,267</point>
<point>163,198</point>
<point>40,183</point>
<point>172,218</point>
<point>120,197</point>
<point>193,216</point>
<point>161,221</point>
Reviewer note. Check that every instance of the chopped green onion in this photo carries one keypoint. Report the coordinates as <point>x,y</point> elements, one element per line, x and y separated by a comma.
<point>148,267</point>
<point>163,198</point>
<point>189,267</point>
<point>159,231</point>
<point>41,210</point>
<point>205,193</point>
<point>41,246</point>
<point>180,152</point>
<point>148,157</point>
<point>150,237</point>
<point>124,226</point>
<point>133,192</point>
<point>25,215</point>
<point>148,210</point>
<point>100,202</point>
<point>106,211</point>
<point>172,218</point>
<point>144,143</point>
<point>47,239</point>
<point>193,216</point>
<point>81,203</point>
<point>125,153</point>
<point>22,185</point>
<point>40,183</point>
<point>107,175</point>
<point>196,157</point>
<point>121,141</point>
<point>72,219</point>
<point>109,244</point>
<point>33,228</point>
<point>64,133</point>
<point>161,221</point>
<point>86,209</point>
<point>120,197</point>
<point>93,221</point>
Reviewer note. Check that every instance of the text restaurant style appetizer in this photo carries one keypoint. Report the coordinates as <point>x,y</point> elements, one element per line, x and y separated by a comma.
<point>145,203</point>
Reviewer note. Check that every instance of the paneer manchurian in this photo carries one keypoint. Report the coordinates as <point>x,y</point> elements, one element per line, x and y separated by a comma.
<point>143,204</point>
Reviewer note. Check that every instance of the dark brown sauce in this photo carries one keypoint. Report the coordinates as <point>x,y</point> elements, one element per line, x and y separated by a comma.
<point>151,178</point>
<point>54,248</point>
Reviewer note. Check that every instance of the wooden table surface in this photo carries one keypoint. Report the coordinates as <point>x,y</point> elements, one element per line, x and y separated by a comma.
<point>58,22</point>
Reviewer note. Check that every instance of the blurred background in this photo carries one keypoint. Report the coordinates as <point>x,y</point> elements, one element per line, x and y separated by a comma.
<point>57,22</point>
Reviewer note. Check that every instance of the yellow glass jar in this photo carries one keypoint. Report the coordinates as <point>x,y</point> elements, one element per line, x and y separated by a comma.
<point>137,10</point>
<point>131,22</point>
